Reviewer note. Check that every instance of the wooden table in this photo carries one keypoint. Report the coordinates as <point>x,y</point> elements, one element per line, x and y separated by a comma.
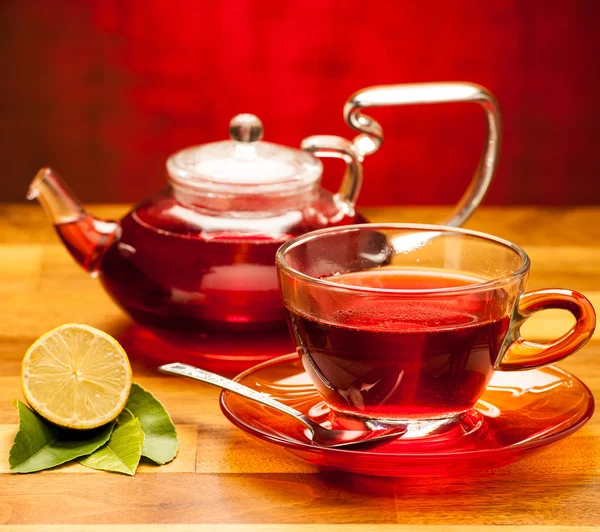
<point>222,476</point>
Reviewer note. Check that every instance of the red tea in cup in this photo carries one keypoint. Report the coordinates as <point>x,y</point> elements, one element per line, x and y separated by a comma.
<point>399,358</point>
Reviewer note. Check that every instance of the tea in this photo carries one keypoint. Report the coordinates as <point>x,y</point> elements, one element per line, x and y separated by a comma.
<point>409,357</point>
<point>169,269</point>
<point>176,280</point>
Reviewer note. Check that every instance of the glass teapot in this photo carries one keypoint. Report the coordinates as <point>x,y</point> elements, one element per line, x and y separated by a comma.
<point>200,254</point>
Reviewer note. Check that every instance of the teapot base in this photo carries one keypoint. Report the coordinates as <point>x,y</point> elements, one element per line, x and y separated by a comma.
<point>190,329</point>
<point>220,351</point>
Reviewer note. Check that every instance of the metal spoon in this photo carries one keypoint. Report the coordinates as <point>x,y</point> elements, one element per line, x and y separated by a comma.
<point>338,439</point>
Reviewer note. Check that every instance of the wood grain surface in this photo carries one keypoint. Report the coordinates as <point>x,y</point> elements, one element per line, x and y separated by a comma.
<point>226,481</point>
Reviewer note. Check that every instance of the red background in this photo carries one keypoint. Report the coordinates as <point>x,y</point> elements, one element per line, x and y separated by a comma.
<point>105,90</point>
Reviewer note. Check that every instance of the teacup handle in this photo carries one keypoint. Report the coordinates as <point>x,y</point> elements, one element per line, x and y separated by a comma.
<point>371,137</point>
<point>522,354</point>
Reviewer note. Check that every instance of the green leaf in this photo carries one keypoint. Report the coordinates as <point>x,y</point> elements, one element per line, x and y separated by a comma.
<point>125,416</point>
<point>122,452</point>
<point>40,445</point>
<point>160,437</point>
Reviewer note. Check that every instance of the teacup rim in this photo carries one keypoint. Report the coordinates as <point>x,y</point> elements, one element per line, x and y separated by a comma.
<point>520,272</point>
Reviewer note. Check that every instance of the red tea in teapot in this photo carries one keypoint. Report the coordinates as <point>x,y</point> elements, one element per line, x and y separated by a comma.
<point>166,272</point>
<point>176,280</point>
<point>432,358</point>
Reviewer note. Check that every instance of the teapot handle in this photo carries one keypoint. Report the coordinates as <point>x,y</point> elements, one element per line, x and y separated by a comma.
<point>340,148</point>
<point>371,136</point>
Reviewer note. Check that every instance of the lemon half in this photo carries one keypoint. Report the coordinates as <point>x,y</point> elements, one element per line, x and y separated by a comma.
<point>76,376</point>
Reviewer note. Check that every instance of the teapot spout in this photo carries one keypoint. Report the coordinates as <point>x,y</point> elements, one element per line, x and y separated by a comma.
<point>87,238</point>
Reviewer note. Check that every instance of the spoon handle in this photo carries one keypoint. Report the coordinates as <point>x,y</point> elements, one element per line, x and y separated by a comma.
<point>185,370</point>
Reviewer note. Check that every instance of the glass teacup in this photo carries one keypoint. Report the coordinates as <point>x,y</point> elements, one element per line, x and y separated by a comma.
<point>398,323</point>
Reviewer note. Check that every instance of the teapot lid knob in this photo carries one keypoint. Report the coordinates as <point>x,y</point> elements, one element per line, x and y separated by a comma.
<point>246,128</point>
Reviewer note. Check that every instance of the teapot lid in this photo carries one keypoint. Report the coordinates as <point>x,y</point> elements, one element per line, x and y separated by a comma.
<point>245,164</point>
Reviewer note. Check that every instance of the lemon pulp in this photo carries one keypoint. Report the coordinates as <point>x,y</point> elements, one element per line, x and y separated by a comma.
<point>76,376</point>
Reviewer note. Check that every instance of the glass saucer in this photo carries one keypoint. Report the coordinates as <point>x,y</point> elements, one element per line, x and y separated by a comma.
<point>520,412</point>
